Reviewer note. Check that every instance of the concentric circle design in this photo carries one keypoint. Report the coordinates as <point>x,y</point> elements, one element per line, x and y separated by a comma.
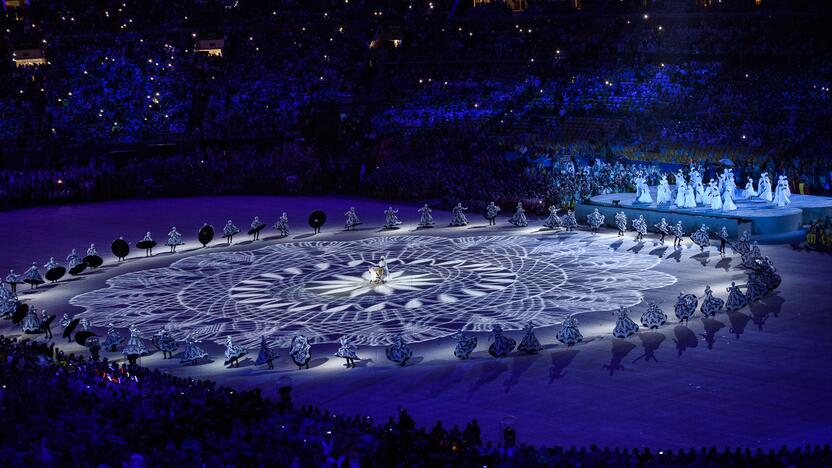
<point>437,285</point>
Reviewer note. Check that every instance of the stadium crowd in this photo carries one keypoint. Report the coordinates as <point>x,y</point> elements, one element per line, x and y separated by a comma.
<point>103,413</point>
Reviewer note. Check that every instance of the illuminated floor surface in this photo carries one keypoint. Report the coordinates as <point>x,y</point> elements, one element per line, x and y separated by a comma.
<point>758,377</point>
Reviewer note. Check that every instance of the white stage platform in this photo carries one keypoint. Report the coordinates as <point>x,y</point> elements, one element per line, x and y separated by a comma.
<point>758,217</point>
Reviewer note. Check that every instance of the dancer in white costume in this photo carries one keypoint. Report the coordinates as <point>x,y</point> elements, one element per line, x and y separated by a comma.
<point>425,217</point>
<point>663,193</point>
<point>728,201</point>
<point>709,193</point>
<point>621,222</point>
<point>519,217</point>
<point>678,234</point>
<point>716,198</point>
<point>680,194</point>
<point>595,220</point>
<point>174,239</point>
<point>229,230</point>
<point>282,225</point>
<point>680,180</point>
<point>255,227</point>
<point>624,325</point>
<point>569,333</point>
<point>696,182</point>
<point>637,180</point>
<point>569,221</point>
<point>553,221</point>
<point>654,317</point>
<point>701,238</point>
<point>458,216</point>
<point>640,226</point>
<point>663,228</point>
<point>348,351</point>
<point>781,196</point>
<point>710,304</point>
<point>352,219</point>
<point>749,191</point>
<point>390,218</point>
<point>764,187</point>
<point>645,196</point>
<point>690,197</point>
<point>491,212</point>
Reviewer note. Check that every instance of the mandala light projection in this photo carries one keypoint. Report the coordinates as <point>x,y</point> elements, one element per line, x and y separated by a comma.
<point>437,285</point>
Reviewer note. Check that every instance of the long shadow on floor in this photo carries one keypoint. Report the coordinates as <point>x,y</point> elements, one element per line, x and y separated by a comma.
<point>520,364</point>
<point>712,326</point>
<point>651,341</point>
<point>636,248</point>
<point>684,339</point>
<point>560,360</point>
<point>738,322</point>
<point>725,264</point>
<point>702,257</point>
<point>659,252</point>
<point>676,255</point>
<point>490,371</point>
<point>617,244</point>
<point>620,349</point>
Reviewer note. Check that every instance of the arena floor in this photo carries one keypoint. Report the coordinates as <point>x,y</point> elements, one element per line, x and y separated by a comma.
<point>757,377</point>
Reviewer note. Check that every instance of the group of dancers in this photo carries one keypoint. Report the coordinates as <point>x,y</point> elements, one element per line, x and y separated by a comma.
<point>718,194</point>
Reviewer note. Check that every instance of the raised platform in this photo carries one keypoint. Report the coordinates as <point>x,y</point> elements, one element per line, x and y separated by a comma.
<point>756,216</point>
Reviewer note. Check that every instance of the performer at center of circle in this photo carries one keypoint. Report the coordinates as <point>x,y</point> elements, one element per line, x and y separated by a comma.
<point>379,274</point>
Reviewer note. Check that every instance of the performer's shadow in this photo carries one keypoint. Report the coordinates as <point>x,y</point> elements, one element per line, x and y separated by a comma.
<point>636,248</point>
<point>362,363</point>
<point>759,314</point>
<point>490,371</point>
<point>724,263</point>
<point>676,255</point>
<point>620,349</point>
<point>304,236</point>
<point>520,365</point>
<point>738,322</point>
<point>617,244</point>
<point>659,252</point>
<point>702,257</point>
<point>317,362</point>
<point>651,341</point>
<point>712,326</point>
<point>560,360</point>
<point>774,303</point>
<point>684,339</point>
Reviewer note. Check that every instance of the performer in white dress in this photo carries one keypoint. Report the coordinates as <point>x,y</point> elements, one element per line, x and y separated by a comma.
<point>174,239</point>
<point>653,317</point>
<point>491,211</point>
<point>624,325</point>
<point>458,216</point>
<point>569,221</point>
<point>529,344</point>
<point>663,228</point>
<point>569,333</point>
<point>736,299</point>
<point>502,344</point>
<point>465,344</point>
<point>728,200</point>
<point>663,193</point>
<point>710,304</point>
<point>255,227</point>
<point>229,230</point>
<point>266,354</point>
<point>696,182</point>
<point>685,307</point>
<point>701,238</point>
<point>640,226</point>
<point>13,279</point>
<point>637,179</point>
<point>233,353</point>
<point>781,196</point>
<point>282,225</point>
<point>595,220</point>
<point>645,196</point>
<point>300,352</point>
<point>709,190</point>
<point>390,218</point>
<point>690,197</point>
<point>352,219</point>
<point>32,276</point>
<point>678,234</point>
<point>764,187</point>
<point>716,198</point>
<point>749,191</point>
<point>519,217</point>
<point>348,351</point>
<point>425,217</point>
<point>192,352</point>
<point>681,193</point>
<point>621,222</point>
<point>553,221</point>
<point>680,181</point>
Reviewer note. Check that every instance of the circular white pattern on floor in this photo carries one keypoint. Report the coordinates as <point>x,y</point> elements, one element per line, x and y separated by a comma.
<point>320,288</point>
